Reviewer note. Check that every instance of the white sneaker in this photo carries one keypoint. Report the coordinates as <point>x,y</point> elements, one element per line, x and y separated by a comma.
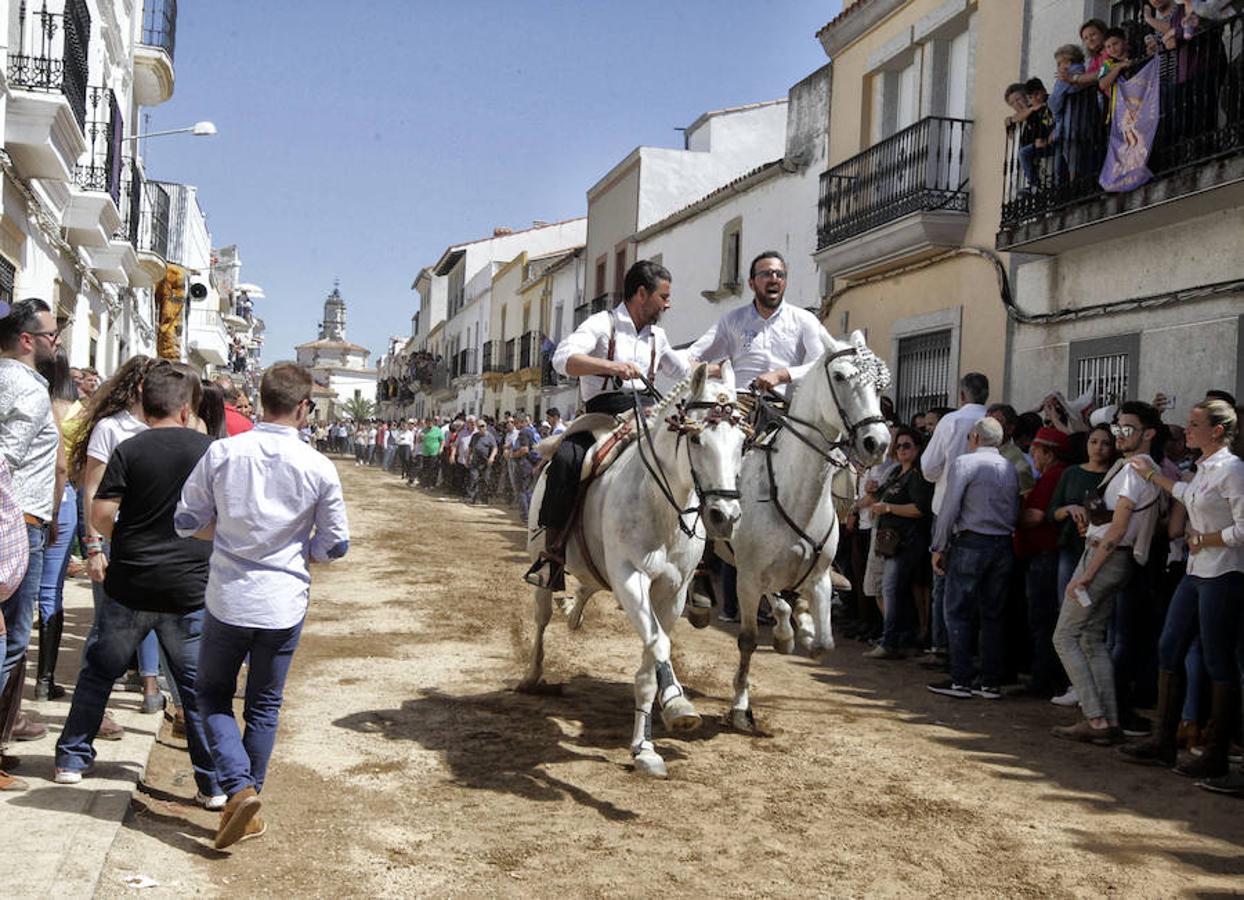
<point>1071,698</point>
<point>68,776</point>
<point>215,803</point>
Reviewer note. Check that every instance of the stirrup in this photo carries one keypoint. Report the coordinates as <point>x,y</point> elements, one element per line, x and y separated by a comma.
<point>554,579</point>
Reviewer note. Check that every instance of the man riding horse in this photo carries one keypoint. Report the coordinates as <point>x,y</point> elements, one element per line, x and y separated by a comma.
<point>615,354</point>
<point>770,343</point>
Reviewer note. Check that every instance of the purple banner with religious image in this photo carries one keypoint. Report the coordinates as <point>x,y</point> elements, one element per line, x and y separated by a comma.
<point>1133,124</point>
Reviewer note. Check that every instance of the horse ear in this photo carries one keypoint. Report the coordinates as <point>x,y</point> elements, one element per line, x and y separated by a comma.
<point>828,341</point>
<point>698,378</point>
<point>727,373</point>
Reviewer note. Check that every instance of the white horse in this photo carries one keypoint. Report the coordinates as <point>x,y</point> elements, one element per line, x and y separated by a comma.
<point>788,533</point>
<point>645,521</point>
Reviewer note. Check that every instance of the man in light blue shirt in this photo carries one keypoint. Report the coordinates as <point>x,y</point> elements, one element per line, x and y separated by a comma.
<point>270,503</point>
<point>980,509</point>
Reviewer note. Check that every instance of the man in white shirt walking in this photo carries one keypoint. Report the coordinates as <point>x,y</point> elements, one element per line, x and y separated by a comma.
<point>270,503</point>
<point>948,443</point>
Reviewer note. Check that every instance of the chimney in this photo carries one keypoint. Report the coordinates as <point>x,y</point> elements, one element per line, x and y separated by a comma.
<point>502,231</point>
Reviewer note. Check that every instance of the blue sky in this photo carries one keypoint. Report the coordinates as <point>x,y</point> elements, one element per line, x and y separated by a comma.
<point>357,140</point>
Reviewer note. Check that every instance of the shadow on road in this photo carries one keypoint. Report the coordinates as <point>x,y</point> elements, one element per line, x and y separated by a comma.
<point>504,742</point>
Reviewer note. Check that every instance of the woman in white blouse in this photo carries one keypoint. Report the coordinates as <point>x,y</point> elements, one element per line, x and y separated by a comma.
<point>1209,599</point>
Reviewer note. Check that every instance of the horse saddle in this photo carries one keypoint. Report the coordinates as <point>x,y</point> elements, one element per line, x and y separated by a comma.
<point>610,436</point>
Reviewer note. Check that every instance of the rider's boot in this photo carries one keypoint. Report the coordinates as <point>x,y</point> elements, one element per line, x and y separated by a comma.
<point>549,569</point>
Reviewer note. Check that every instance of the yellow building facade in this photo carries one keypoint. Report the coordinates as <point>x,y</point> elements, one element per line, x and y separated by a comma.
<point>911,200</point>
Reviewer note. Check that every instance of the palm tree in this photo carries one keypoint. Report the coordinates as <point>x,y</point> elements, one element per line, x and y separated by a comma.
<point>359,408</point>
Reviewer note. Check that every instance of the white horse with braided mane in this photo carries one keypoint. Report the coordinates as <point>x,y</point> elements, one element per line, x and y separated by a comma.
<point>787,535</point>
<point>645,521</point>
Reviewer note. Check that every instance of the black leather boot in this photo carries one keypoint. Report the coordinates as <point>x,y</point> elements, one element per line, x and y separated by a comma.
<point>46,687</point>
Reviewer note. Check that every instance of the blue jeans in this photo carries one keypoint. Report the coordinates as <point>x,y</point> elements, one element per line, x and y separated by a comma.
<point>148,650</point>
<point>19,610</point>
<point>121,629</point>
<point>897,579</point>
<point>976,583</point>
<point>1044,602</point>
<point>56,557</point>
<point>242,759</point>
<point>1213,608</point>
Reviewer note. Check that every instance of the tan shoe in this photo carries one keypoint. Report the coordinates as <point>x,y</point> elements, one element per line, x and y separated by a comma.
<point>256,827</point>
<point>839,581</point>
<point>236,815</point>
<point>27,729</point>
<point>109,730</point>
<point>12,782</point>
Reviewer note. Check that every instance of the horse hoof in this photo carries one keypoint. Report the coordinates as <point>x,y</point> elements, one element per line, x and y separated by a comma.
<point>785,647</point>
<point>742,720</point>
<point>679,715</point>
<point>647,762</point>
<point>699,616</point>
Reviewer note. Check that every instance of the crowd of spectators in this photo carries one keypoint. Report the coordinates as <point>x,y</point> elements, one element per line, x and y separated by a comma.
<point>1106,566</point>
<point>480,459</point>
<point>1062,133</point>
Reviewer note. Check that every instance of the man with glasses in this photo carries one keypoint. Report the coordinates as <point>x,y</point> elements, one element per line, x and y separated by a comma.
<point>270,504</point>
<point>29,443</point>
<point>769,343</point>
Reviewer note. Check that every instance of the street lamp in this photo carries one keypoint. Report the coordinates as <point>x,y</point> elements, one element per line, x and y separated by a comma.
<point>199,129</point>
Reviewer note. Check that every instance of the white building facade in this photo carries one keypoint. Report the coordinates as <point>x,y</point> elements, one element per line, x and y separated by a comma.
<point>337,364</point>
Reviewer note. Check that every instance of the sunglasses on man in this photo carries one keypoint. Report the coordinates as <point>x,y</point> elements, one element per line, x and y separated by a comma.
<point>1123,430</point>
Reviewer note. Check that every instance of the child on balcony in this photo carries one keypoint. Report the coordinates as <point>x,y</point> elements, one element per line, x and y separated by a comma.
<point>1035,123</point>
<point>1117,64</point>
<point>1071,119</point>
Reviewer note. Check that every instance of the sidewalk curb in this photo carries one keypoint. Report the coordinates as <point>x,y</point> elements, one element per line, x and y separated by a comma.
<point>57,837</point>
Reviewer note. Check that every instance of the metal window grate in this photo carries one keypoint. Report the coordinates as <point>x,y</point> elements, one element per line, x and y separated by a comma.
<point>1108,374</point>
<point>8,272</point>
<point>923,373</point>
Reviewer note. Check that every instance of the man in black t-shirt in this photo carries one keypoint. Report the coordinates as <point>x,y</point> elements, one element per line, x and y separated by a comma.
<point>158,579</point>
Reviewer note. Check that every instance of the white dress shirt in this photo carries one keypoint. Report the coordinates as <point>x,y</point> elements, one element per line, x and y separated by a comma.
<point>29,437</point>
<point>949,442</point>
<point>789,339</point>
<point>275,502</point>
<point>592,339</point>
<point>1214,499</point>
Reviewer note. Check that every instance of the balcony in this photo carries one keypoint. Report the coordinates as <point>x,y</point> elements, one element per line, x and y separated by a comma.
<point>1197,157</point>
<point>152,237</point>
<point>93,212</point>
<point>47,72</point>
<point>439,381</point>
<point>489,364</point>
<point>599,303</point>
<point>463,364</point>
<point>207,336</point>
<point>509,355</point>
<point>900,199</point>
<point>529,350</point>
<point>153,55</point>
<point>550,377</point>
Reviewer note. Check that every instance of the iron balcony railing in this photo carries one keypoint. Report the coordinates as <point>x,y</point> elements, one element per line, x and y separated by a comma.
<point>922,168</point>
<point>51,53</point>
<point>529,350</point>
<point>1201,102</point>
<point>160,25</point>
<point>464,363</point>
<point>509,356</point>
<point>599,303</point>
<point>131,186</point>
<point>549,377</point>
<point>154,219</point>
<point>487,363</point>
<point>104,128</point>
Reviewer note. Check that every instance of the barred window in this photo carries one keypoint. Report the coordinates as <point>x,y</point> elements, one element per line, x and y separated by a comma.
<point>1110,366</point>
<point>924,375</point>
<point>8,272</point>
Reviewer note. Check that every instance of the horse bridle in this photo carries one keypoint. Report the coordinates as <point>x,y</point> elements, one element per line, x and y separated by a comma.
<point>784,418</point>
<point>720,412</point>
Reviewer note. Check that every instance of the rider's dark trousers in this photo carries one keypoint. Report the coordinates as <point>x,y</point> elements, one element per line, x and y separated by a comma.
<point>561,483</point>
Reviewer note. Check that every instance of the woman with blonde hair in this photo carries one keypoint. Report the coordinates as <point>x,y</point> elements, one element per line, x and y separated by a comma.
<point>1210,598</point>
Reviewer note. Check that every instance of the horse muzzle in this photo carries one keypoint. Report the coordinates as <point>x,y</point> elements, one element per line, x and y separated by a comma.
<point>871,443</point>
<point>720,517</point>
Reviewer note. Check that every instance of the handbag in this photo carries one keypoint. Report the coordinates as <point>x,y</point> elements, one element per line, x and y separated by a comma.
<point>887,541</point>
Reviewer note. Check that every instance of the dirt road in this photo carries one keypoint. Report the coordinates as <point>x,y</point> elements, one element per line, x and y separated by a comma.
<point>407,766</point>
